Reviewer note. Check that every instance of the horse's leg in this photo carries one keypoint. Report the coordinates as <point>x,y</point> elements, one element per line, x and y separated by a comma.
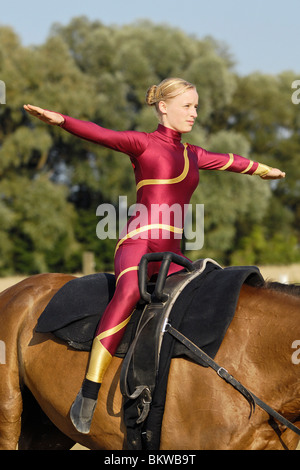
<point>12,313</point>
<point>10,419</point>
<point>10,402</point>
<point>37,431</point>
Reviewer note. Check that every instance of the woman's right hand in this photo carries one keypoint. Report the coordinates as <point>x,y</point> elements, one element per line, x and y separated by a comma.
<point>50,117</point>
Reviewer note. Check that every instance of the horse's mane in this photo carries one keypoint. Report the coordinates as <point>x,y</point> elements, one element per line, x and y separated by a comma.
<point>290,289</point>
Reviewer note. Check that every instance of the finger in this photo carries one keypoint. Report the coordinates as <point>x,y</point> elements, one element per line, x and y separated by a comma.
<point>35,110</point>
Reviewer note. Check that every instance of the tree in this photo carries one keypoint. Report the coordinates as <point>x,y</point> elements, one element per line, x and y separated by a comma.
<point>37,229</point>
<point>101,73</point>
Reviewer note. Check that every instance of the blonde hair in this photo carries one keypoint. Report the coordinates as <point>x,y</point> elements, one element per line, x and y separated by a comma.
<point>168,88</point>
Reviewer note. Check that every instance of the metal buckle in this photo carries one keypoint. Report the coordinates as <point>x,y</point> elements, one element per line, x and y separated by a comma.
<point>221,369</point>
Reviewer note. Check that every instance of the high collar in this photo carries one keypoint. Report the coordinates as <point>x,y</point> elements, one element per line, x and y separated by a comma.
<point>168,134</point>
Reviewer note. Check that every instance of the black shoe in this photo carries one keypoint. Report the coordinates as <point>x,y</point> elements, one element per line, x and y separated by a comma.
<point>82,412</point>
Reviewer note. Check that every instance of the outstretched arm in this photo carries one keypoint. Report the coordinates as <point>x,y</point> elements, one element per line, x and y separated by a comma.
<point>132,143</point>
<point>235,163</point>
<point>49,117</point>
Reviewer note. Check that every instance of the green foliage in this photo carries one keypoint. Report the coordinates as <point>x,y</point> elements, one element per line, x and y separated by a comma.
<point>51,183</point>
<point>37,225</point>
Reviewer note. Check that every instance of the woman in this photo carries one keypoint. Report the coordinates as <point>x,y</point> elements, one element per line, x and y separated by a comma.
<point>166,172</point>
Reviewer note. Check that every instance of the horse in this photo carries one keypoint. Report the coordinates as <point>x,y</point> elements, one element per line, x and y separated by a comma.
<point>41,375</point>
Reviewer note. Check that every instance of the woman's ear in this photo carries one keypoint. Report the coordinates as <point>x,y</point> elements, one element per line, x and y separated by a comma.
<point>162,106</point>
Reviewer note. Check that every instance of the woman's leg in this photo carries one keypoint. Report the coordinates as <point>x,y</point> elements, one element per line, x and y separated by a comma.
<point>109,331</point>
<point>112,325</point>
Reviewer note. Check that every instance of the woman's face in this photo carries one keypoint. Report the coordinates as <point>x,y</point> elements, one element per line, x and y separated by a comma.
<point>179,113</point>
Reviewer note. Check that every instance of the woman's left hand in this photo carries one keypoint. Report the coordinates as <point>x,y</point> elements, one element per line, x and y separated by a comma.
<point>274,174</point>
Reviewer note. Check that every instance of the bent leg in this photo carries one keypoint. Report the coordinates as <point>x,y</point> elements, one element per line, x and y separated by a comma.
<point>109,333</point>
<point>112,325</point>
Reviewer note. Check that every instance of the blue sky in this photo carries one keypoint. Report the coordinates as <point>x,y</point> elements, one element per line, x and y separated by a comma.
<point>262,35</point>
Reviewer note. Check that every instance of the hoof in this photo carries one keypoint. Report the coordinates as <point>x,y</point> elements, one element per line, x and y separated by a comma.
<point>82,412</point>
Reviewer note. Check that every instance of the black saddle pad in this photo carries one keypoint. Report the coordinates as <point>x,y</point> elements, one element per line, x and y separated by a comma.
<point>74,311</point>
<point>208,304</point>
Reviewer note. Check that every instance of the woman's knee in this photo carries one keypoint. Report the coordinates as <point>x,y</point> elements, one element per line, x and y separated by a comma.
<point>128,291</point>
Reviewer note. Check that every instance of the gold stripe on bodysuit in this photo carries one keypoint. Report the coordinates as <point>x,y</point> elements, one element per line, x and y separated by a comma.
<point>229,163</point>
<point>113,330</point>
<point>262,169</point>
<point>131,234</point>
<point>147,182</point>
<point>171,180</point>
<point>100,357</point>
<point>132,268</point>
<point>248,167</point>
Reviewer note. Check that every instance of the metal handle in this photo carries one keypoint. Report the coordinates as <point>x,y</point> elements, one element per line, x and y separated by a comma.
<point>166,259</point>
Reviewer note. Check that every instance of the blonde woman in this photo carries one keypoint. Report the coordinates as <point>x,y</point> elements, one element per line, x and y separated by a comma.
<point>166,172</point>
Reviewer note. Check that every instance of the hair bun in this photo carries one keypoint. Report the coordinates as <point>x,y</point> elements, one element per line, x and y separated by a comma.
<point>151,97</point>
<point>167,89</point>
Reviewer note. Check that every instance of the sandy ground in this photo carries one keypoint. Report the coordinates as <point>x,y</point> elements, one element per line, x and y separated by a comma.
<point>286,274</point>
<point>6,282</point>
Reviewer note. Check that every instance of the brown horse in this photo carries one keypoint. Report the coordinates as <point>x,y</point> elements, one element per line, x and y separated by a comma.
<point>42,376</point>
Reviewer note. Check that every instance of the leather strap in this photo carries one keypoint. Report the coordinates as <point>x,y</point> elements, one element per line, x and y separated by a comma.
<point>224,374</point>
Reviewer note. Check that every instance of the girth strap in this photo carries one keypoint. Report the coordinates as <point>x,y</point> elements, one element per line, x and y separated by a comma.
<point>224,374</point>
<point>143,392</point>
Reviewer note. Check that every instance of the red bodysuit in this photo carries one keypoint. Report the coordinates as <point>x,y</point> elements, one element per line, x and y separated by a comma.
<point>166,172</point>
